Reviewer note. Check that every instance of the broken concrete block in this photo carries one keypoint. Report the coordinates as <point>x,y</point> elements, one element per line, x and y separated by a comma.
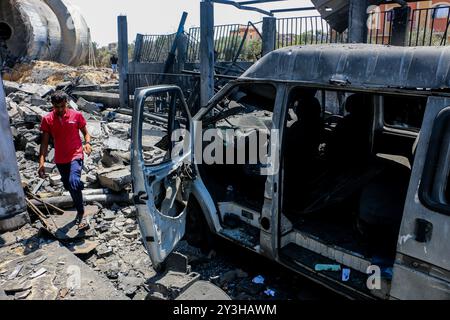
<point>39,90</point>
<point>55,179</point>
<point>104,251</point>
<point>114,143</point>
<point>110,159</point>
<point>32,150</point>
<point>51,155</point>
<point>116,178</point>
<point>87,106</point>
<point>94,128</point>
<point>73,105</point>
<point>108,215</point>
<point>49,167</point>
<point>28,114</point>
<point>37,101</point>
<point>131,235</point>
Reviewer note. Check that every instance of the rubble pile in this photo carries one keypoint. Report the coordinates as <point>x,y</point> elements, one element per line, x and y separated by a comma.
<point>113,245</point>
<point>53,73</point>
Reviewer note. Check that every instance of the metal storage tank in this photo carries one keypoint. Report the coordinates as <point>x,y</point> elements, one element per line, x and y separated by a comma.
<point>44,30</point>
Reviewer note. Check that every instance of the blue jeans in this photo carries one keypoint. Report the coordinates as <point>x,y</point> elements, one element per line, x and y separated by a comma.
<point>71,178</point>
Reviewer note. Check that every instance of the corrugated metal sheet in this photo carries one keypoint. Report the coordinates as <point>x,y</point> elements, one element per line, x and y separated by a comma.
<point>358,65</point>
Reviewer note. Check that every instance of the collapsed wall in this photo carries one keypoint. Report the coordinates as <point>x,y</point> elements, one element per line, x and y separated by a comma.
<point>44,30</point>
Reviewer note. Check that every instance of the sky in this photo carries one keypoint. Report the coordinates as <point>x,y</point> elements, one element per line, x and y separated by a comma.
<point>163,16</point>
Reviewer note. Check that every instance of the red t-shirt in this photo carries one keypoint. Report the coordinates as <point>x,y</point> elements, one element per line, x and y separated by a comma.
<point>66,135</point>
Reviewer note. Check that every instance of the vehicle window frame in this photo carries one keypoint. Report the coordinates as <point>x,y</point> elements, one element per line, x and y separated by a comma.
<point>178,95</point>
<point>219,97</point>
<point>436,150</point>
<point>412,131</point>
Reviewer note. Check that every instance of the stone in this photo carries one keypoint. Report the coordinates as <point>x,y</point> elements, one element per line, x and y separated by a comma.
<point>108,215</point>
<point>38,102</point>
<point>113,270</point>
<point>49,167</point>
<point>89,107</point>
<point>15,286</point>
<point>27,114</point>
<point>104,251</point>
<point>110,159</point>
<point>38,273</point>
<point>130,228</point>
<point>51,155</point>
<point>129,212</point>
<point>131,235</point>
<point>116,178</point>
<point>114,143</point>
<point>55,179</point>
<point>84,247</point>
<point>32,150</point>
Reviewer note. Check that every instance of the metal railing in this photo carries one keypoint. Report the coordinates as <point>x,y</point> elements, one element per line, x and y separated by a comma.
<point>186,82</point>
<point>380,27</point>
<point>155,48</point>
<point>429,27</point>
<point>306,30</point>
<point>232,42</point>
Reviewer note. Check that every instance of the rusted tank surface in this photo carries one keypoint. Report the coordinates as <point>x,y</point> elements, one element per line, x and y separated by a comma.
<point>43,30</point>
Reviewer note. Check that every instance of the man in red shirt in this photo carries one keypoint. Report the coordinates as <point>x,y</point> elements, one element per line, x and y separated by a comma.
<point>64,126</point>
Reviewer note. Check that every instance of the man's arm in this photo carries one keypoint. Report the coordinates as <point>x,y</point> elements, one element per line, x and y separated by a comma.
<point>87,141</point>
<point>43,153</point>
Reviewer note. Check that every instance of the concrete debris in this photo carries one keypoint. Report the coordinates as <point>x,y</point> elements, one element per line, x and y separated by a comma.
<point>115,178</point>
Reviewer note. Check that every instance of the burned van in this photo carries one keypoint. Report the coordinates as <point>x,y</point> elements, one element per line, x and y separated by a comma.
<point>332,160</point>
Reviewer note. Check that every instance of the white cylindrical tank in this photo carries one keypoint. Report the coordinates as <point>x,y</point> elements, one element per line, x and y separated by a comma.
<point>44,30</point>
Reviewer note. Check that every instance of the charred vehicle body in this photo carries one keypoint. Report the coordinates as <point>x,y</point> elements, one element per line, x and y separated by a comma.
<point>355,193</point>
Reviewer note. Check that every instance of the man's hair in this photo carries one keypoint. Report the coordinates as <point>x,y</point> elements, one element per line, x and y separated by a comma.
<point>58,97</point>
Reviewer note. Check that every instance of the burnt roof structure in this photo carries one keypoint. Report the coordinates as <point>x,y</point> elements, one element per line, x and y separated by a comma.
<point>357,65</point>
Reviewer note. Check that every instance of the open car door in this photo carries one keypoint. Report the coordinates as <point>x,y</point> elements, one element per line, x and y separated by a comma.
<point>161,167</point>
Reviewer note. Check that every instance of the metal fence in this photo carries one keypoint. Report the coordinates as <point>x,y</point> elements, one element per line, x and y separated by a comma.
<point>232,42</point>
<point>155,48</point>
<point>380,27</point>
<point>306,30</point>
<point>185,81</point>
<point>429,27</point>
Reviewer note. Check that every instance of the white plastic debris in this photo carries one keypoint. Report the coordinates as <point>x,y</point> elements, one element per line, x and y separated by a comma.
<point>258,280</point>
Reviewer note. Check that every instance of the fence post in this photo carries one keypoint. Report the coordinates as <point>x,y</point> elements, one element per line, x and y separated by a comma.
<point>181,52</point>
<point>400,25</point>
<point>269,34</point>
<point>138,47</point>
<point>206,51</point>
<point>123,59</point>
<point>357,21</point>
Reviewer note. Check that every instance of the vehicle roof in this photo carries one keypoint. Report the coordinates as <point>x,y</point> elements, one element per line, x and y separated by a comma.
<point>357,65</point>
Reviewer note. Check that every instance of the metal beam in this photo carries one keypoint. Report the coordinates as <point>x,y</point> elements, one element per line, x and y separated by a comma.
<point>122,27</point>
<point>293,9</point>
<point>237,5</point>
<point>206,52</point>
<point>257,1</point>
